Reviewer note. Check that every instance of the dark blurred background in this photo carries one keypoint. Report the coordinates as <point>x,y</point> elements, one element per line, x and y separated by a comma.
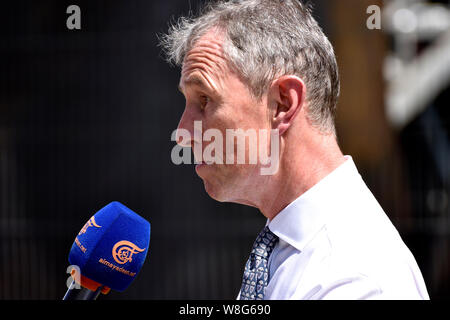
<point>86,118</point>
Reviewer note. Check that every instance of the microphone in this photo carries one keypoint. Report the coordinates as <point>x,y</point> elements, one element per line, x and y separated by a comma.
<point>108,252</point>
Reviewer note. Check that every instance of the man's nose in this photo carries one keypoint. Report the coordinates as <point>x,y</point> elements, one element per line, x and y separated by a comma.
<point>185,136</point>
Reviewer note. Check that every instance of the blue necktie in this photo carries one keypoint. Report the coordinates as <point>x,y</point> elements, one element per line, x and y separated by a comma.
<point>256,273</point>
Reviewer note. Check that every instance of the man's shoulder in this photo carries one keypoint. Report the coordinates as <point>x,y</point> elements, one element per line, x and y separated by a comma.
<point>359,259</point>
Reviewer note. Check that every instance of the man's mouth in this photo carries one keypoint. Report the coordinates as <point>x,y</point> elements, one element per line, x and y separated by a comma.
<point>202,164</point>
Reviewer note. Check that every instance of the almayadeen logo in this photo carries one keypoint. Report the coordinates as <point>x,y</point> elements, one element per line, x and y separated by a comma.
<point>91,223</point>
<point>117,268</point>
<point>122,253</point>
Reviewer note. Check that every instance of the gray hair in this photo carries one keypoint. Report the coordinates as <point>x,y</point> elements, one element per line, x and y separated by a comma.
<point>265,39</point>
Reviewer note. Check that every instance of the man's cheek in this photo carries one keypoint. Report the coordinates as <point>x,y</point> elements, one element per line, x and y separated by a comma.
<point>213,152</point>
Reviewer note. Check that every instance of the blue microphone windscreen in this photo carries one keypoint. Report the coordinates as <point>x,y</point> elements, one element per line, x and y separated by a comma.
<point>112,246</point>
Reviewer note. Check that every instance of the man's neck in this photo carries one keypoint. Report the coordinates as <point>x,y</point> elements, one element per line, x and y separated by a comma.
<point>300,169</point>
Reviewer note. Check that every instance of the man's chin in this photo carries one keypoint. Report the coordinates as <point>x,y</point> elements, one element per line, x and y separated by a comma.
<point>213,188</point>
<point>219,184</point>
<point>212,191</point>
<point>219,195</point>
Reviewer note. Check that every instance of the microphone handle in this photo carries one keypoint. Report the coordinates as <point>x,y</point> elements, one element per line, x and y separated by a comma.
<point>81,294</point>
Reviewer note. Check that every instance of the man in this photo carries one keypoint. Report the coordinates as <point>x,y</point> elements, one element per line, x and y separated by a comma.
<point>266,65</point>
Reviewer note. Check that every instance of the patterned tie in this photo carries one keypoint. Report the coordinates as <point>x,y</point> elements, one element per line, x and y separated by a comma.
<point>256,274</point>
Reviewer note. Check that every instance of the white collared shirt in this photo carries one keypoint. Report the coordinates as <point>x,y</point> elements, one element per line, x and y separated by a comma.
<point>336,242</point>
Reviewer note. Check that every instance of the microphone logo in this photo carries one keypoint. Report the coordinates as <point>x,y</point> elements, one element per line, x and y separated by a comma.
<point>123,251</point>
<point>91,223</point>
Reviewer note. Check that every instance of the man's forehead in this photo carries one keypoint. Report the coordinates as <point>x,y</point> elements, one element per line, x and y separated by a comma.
<point>205,60</point>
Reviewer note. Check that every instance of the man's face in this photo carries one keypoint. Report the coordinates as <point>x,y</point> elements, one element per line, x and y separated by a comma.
<point>217,97</point>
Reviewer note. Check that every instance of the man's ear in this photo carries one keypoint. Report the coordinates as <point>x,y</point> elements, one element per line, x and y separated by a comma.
<point>286,96</point>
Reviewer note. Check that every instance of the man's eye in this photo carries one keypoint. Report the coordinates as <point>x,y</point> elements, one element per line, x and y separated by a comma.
<point>204,100</point>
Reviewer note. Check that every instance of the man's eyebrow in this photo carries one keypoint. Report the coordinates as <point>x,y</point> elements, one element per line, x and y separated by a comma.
<point>195,81</point>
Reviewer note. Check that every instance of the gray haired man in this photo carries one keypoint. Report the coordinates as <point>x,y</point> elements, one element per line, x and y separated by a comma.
<point>266,65</point>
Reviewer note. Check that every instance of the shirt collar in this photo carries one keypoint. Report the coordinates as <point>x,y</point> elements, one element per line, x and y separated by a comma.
<point>304,217</point>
